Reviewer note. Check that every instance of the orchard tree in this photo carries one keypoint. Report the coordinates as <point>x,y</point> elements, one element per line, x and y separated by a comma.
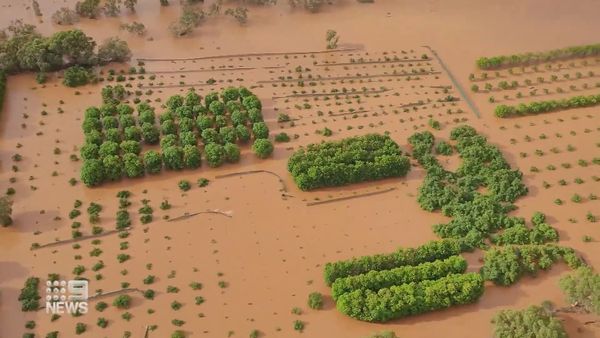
<point>232,152</point>
<point>210,135</point>
<point>239,118</point>
<point>217,107</point>
<point>215,154</point>
<point>92,172</point>
<point>150,133</point>
<point>204,122</point>
<point>94,137</point>
<point>108,148</point>
<point>260,130</point>
<point>186,124</point>
<point>168,141</point>
<point>168,127</point>
<point>254,115</point>
<point>173,158</point>
<point>113,134</point>
<point>73,47</point>
<point>147,116</point>
<point>210,98</point>
<point>220,121</point>
<point>132,133</point>
<point>191,157</point>
<point>192,99</point>
<point>133,165</point>
<point>126,121</point>
<point>113,167</point>
<point>230,94</point>
<point>89,151</point>
<point>152,162</point>
<point>252,102</point>
<point>174,102</point>
<point>184,112</point>
<point>132,147</point>
<point>228,134</point>
<point>263,148</point>
<point>5,211</point>
<point>188,138</point>
<point>91,123</point>
<point>242,133</point>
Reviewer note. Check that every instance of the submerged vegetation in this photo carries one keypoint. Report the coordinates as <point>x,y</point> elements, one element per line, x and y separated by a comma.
<point>547,106</point>
<point>351,160</point>
<point>538,57</point>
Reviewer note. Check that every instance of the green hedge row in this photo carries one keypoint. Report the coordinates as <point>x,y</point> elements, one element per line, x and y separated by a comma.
<point>375,280</point>
<point>506,265</point>
<point>538,107</point>
<point>428,252</point>
<point>2,88</point>
<point>411,299</point>
<point>351,160</point>
<point>537,57</point>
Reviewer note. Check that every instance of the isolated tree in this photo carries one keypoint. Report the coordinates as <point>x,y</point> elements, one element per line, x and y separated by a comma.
<point>534,321</point>
<point>232,152</point>
<point>152,162</point>
<point>76,76</point>
<point>191,157</point>
<point>113,50</point>
<point>92,172</point>
<point>5,211</point>
<point>122,302</point>
<point>332,39</point>
<point>263,148</point>
<point>215,154</point>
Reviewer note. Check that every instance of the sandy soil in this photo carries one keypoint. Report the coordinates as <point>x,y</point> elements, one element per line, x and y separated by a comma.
<point>272,251</point>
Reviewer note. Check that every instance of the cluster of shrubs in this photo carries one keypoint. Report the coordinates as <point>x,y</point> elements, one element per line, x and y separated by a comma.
<point>25,49</point>
<point>537,107</point>
<point>427,252</point>
<point>351,160</point>
<point>29,296</point>
<point>531,58</point>
<point>475,216</point>
<point>506,265</point>
<point>113,136</point>
<point>541,233</point>
<point>412,298</point>
<point>375,280</point>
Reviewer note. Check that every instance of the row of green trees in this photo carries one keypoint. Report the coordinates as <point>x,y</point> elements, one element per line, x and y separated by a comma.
<point>538,107</point>
<point>375,280</point>
<point>537,57</point>
<point>25,49</point>
<point>410,299</point>
<point>351,160</point>
<point>428,252</point>
<point>506,265</point>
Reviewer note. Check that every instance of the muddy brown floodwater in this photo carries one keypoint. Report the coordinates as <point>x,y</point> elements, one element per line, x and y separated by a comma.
<point>272,251</point>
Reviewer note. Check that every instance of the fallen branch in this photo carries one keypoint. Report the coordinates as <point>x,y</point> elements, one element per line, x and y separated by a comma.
<point>339,199</point>
<point>188,215</point>
<point>283,186</point>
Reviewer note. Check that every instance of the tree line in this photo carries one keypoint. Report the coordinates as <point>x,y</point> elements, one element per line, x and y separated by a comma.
<point>24,49</point>
<point>538,107</point>
<point>411,299</point>
<point>114,136</point>
<point>351,160</point>
<point>375,280</point>
<point>495,62</point>
<point>427,252</point>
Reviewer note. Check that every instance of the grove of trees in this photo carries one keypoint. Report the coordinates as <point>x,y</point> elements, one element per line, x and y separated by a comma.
<point>115,133</point>
<point>583,289</point>
<point>351,160</point>
<point>410,299</point>
<point>535,321</point>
